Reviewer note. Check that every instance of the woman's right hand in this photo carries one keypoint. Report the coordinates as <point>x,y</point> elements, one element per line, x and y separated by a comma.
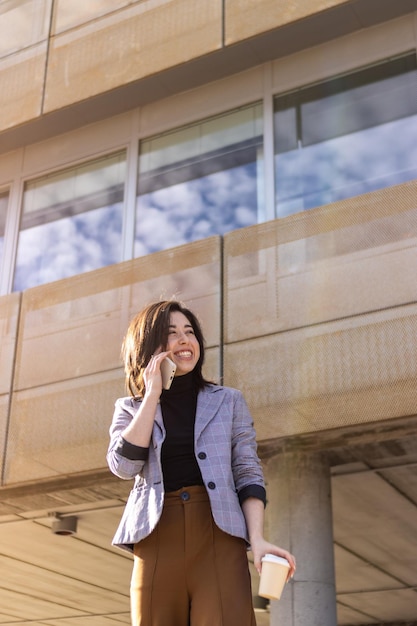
<point>152,375</point>
<point>139,431</point>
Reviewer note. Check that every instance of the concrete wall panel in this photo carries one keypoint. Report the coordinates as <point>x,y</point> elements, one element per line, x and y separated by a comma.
<point>339,260</point>
<point>70,14</point>
<point>246,18</point>
<point>144,39</point>
<point>23,24</point>
<point>351,372</point>
<point>22,78</point>
<point>9,317</point>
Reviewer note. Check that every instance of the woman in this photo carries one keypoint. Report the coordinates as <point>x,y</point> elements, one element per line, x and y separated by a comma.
<point>198,499</point>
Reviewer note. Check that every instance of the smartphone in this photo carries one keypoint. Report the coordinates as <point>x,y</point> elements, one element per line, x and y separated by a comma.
<point>168,368</point>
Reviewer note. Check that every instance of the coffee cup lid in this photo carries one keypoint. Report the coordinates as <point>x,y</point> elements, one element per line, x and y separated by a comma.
<point>272,558</point>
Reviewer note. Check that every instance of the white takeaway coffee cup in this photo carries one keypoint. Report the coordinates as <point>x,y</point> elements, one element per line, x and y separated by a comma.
<point>274,574</point>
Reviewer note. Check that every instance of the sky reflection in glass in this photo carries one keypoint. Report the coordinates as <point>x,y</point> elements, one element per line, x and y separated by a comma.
<point>195,209</point>
<point>68,246</point>
<point>71,222</point>
<point>200,180</point>
<point>346,166</point>
<point>347,144</point>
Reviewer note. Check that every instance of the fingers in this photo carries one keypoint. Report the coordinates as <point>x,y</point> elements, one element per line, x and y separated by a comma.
<point>152,373</point>
<point>293,566</point>
<point>282,553</point>
<point>158,356</point>
<point>291,560</point>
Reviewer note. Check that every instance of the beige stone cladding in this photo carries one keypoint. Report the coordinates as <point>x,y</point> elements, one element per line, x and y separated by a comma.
<point>128,45</point>
<point>246,18</point>
<point>21,80</point>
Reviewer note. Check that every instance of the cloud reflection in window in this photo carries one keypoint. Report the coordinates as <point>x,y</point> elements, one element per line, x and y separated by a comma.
<point>68,246</point>
<point>195,209</point>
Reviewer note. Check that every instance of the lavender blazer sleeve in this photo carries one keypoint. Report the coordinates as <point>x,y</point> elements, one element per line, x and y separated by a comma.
<point>225,448</point>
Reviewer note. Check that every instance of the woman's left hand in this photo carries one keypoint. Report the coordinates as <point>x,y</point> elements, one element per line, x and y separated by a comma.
<point>262,547</point>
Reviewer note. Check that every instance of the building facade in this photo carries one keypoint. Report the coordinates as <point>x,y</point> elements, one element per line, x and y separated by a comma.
<point>256,159</point>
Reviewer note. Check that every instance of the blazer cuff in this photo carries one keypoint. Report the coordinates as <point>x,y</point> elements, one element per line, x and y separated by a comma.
<point>252,491</point>
<point>130,451</point>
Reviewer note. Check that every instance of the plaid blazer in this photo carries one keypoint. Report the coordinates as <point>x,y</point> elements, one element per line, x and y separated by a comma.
<point>224,433</point>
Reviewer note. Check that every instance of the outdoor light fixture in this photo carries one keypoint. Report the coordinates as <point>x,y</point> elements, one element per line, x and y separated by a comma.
<point>64,525</point>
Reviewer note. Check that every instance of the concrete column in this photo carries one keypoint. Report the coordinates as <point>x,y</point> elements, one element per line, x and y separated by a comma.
<point>299,518</point>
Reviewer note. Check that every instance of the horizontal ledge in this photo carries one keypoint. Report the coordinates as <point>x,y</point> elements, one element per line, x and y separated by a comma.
<point>331,439</point>
<point>67,481</point>
<point>233,58</point>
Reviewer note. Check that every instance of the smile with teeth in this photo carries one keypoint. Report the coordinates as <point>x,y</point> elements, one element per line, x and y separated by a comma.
<point>184,354</point>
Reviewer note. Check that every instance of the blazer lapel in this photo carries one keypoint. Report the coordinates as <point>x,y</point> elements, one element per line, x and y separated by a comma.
<point>208,403</point>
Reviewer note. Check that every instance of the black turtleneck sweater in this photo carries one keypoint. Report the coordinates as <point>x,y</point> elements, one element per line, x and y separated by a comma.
<point>179,464</point>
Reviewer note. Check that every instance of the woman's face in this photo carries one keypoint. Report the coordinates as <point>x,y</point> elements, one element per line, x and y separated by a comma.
<point>183,343</point>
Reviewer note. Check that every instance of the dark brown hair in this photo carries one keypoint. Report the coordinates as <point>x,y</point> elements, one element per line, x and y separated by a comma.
<point>147,332</point>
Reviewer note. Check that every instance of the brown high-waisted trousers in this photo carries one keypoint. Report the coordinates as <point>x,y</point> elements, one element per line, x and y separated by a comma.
<point>188,572</point>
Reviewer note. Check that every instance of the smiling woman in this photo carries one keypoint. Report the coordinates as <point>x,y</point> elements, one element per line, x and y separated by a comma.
<point>199,492</point>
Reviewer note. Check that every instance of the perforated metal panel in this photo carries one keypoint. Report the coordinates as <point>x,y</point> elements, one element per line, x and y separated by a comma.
<point>320,314</point>
<point>9,317</point>
<point>68,368</point>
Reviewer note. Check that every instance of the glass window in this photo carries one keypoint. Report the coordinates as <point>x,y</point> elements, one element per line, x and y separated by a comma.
<point>71,222</point>
<point>346,137</point>
<point>4,197</point>
<point>202,180</point>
